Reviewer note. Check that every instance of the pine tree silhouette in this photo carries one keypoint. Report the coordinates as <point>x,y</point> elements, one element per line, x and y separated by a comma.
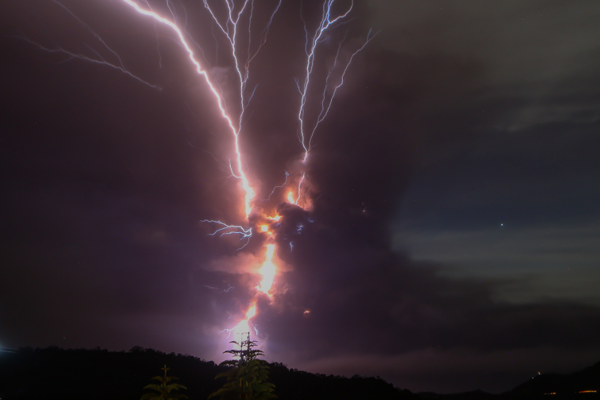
<point>165,388</point>
<point>248,378</point>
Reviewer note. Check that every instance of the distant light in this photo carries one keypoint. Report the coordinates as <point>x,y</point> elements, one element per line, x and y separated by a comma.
<point>7,350</point>
<point>501,224</point>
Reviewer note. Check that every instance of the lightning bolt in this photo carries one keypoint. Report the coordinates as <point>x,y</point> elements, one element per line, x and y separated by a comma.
<point>229,27</point>
<point>100,60</point>
<point>226,229</point>
<point>310,47</point>
<point>248,190</point>
<point>311,44</point>
<point>278,187</point>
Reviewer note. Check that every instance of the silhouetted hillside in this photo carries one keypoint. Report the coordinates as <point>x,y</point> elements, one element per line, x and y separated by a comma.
<point>54,373</point>
<point>99,374</point>
<point>582,385</point>
<point>586,381</point>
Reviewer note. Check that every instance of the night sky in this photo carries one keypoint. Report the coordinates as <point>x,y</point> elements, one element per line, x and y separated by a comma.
<point>454,238</point>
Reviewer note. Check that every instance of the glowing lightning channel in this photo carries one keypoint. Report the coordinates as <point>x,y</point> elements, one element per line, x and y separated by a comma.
<point>325,108</point>
<point>121,67</point>
<point>91,30</point>
<point>267,270</point>
<point>325,23</point>
<point>243,73</point>
<point>233,19</point>
<point>310,48</point>
<point>300,182</point>
<point>229,28</point>
<point>82,57</point>
<point>227,229</point>
<point>243,326</point>
<point>287,174</point>
<point>248,190</point>
<point>290,198</point>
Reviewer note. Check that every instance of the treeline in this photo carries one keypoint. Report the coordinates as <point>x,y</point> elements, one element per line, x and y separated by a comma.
<point>55,373</point>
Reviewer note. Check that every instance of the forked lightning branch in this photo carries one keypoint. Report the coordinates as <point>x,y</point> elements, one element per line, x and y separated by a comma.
<point>244,46</point>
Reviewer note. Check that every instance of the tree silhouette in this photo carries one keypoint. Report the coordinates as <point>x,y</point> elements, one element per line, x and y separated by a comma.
<point>165,388</point>
<point>248,378</point>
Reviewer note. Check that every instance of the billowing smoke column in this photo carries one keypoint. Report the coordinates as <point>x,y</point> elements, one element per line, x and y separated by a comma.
<point>242,55</point>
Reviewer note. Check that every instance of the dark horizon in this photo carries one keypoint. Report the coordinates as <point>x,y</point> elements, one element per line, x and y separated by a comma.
<point>26,369</point>
<point>452,243</point>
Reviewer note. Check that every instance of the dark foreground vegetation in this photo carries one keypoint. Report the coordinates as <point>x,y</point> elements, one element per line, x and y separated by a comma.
<point>99,374</point>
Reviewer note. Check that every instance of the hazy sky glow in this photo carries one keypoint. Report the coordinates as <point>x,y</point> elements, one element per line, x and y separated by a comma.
<point>453,242</point>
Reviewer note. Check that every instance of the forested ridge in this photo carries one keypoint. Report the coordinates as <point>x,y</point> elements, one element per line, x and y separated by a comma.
<point>54,373</point>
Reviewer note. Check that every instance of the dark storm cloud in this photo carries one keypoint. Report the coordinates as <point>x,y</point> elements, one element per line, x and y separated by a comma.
<point>419,109</point>
<point>109,179</point>
<point>362,297</point>
<point>370,310</point>
<point>364,300</point>
<point>528,165</point>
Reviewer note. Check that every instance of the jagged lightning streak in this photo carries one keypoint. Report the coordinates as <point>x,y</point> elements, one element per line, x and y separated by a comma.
<point>243,72</point>
<point>233,19</point>
<point>326,107</point>
<point>325,23</point>
<point>243,326</point>
<point>89,29</point>
<point>287,175</point>
<point>311,45</point>
<point>229,28</point>
<point>226,229</point>
<point>101,60</point>
<point>82,57</point>
<point>267,270</point>
<point>248,190</point>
